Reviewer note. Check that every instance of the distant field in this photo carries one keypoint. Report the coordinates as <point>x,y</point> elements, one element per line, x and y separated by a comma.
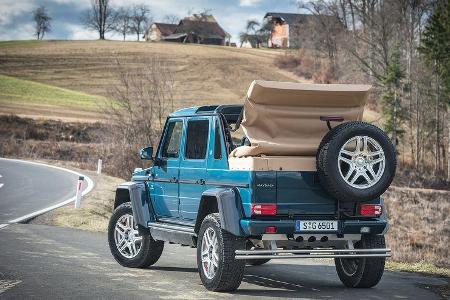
<point>28,98</point>
<point>203,74</point>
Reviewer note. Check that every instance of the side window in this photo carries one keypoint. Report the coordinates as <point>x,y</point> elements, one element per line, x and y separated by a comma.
<point>171,146</point>
<point>197,139</point>
<point>217,142</point>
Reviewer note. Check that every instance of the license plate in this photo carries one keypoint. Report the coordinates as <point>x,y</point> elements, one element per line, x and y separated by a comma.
<point>301,225</point>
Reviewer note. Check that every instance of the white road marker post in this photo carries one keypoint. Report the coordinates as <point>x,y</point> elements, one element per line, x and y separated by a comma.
<point>79,191</point>
<point>99,166</point>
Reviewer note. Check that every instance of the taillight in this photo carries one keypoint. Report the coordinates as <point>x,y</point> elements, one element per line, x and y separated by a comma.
<point>264,209</point>
<point>271,229</point>
<point>372,210</point>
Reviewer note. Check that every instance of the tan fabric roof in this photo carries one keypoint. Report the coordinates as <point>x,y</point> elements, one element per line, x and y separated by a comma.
<point>283,118</point>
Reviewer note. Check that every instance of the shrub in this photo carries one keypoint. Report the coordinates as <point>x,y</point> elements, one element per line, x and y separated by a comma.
<point>306,68</point>
<point>325,74</point>
<point>287,61</point>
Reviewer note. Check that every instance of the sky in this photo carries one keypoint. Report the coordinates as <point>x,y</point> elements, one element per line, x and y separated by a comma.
<point>16,15</point>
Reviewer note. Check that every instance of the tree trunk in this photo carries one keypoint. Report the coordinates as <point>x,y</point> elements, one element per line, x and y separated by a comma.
<point>448,147</point>
<point>418,120</point>
<point>437,154</point>
<point>394,133</point>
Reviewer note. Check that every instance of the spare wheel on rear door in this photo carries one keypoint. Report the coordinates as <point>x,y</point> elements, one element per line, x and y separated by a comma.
<point>356,162</point>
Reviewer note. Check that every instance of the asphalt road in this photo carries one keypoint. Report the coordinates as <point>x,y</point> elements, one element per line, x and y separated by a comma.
<point>26,187</point>
<point>44,262</point>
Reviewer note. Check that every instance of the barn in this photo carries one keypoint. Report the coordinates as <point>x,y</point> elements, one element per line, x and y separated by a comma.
<point>291,30</point>
<point>198,28</point>
<point>158,31</point>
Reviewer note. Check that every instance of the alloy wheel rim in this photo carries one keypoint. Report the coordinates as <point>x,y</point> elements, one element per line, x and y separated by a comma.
<point>350,265</point>
<point>126,236</point>
<point>209,253</point>
<point>361,162</point>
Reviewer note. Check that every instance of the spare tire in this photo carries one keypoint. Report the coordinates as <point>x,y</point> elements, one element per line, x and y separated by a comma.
<point>356,161</point>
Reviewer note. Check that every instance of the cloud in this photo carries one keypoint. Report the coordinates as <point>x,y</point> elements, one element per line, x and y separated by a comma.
<point>248,2</point>
<point>24,32</point>
<point>234,23</point>
<point>79,32</point>
<point>12,8</point>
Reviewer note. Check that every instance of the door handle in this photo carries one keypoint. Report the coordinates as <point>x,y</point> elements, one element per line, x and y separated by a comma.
<point>201,181</point>
<point>174,180</point>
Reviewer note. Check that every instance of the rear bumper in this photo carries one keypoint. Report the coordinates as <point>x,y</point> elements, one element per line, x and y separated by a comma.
<point>314,253</point>
<point>258,227</point>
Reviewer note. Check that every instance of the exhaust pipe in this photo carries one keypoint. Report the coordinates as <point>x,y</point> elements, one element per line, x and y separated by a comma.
<point>312,239</point>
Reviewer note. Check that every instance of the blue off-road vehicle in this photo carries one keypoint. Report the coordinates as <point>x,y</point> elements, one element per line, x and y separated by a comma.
<point>292,173</point>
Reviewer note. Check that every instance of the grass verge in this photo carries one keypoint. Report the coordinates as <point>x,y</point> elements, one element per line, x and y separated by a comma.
<point>422,267</point>
<point>13,90</point>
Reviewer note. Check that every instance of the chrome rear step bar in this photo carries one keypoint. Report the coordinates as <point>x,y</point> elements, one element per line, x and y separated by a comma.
<point>312,253</point>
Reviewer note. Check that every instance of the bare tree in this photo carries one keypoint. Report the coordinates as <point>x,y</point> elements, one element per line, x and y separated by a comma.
<point>42,20</point>
<point>123,20</point>
<point>171,19</point>
<point>140,19</point>
<point>100,17</point>
<point>256,33</point>
<point>138,107</point>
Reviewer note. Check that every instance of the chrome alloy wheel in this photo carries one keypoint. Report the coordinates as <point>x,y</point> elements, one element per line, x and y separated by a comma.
<point>361,162</point>
<point>209,253</point>
<point>127,237</point>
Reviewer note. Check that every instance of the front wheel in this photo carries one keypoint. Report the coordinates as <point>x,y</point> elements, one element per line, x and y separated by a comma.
<point>218,269</point>
<point>129,247</point>
<point>363,272</point>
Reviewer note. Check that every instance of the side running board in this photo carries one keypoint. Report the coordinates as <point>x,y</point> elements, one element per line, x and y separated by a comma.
<point>173,233</point>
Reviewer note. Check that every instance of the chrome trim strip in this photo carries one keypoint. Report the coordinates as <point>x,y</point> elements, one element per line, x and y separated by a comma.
<point>214,183</point>
<point>242,185</point>
<point>305,251</point>
<point>313,253</point>
<point>310,256</point>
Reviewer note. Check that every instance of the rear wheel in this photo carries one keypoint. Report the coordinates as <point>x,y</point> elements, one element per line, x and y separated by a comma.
<point>129,246</point>
<point>218,269</point>
<point>363,272</point>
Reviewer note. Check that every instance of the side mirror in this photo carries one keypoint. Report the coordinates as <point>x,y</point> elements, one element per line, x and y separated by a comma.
<point>146,153</point>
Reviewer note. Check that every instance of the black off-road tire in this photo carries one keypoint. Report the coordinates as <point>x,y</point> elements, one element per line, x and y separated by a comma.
<point>150,252</point>
<point>328,165</point>
<point>325,140</point>
<point>230,271</point>
<point>369,270</point>
<point>257,262</point>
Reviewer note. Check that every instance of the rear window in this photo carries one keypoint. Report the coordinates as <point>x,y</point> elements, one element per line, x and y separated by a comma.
<point>197,139</point>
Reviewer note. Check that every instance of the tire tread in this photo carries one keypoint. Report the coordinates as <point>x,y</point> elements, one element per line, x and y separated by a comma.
<point>232,270</point>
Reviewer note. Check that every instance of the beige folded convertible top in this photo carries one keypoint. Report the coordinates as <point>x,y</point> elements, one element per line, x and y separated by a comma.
<point>283,118</point>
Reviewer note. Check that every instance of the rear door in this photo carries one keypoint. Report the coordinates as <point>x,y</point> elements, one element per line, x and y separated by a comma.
<point>193,166</point>
<point>300,193</point>
<point>295,193</point>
